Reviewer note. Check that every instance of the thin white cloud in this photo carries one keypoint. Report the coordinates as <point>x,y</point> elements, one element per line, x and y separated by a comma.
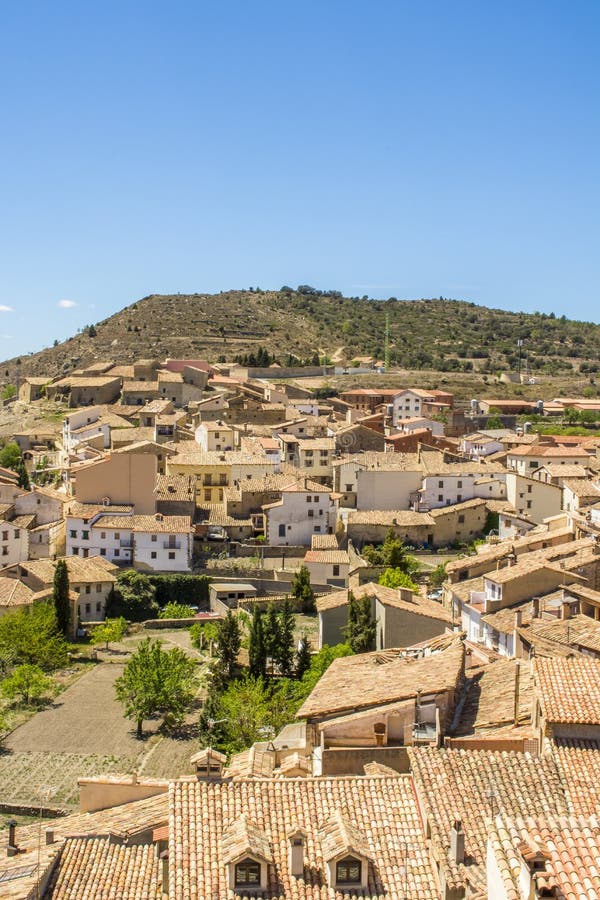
<point>5,308</point>
<point>66,304</point>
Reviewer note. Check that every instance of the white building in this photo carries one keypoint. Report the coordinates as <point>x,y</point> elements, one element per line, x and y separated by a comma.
<point>299,514</point>
<point>215,436</point>
<point>146,542</point>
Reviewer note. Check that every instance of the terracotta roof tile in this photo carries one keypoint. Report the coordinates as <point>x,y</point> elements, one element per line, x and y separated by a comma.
<point>569,689</point>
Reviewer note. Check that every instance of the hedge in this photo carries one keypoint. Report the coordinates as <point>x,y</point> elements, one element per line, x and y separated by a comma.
<point>190,590</point>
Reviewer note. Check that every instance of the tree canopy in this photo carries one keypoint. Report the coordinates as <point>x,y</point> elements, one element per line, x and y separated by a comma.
<point>60,596</point>
<point>156,682</point>
<point>133,597</point>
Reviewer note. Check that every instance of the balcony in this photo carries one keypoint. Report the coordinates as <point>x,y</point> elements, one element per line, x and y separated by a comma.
<point>171,545</point>
<point>126,542</point>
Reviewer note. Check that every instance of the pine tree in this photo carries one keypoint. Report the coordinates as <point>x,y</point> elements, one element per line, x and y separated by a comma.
<point>229,640</point>
<point>302,590</point>
<point>21,471</point>
<point>361,630</point>
<point>285,650</point>
<point>60,596</point>
<point>303,657</point>
<point>257,651</point>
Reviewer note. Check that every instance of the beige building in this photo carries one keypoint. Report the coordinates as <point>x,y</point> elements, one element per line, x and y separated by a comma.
<point>403,618</point>
<point>122,478</point>
<point>91,579</point>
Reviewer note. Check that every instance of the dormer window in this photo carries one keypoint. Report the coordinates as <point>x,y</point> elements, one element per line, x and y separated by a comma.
<point>247,874</point>
<point>348,871</point>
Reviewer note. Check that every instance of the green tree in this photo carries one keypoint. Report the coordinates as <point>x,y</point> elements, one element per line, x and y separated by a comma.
<point>176,611</point>
<point>133,597</point>
<point>284,655</point>
<point>202,633</point>
<point>10,455</point>
<point>60,596</point>
<point>396,578</point>
<point>31,635</point>
<point>155,682</point>
<point>26,684</point>
<point>437,576</point>
<point>319,664</point>
<point>302,591</point>
<point>257,651</point>
<point>111,631</point>
<point>361,630</point>
<point>229,640</point>
<point>21,471</point>
<point>303,657</point>
<point>393,551</point>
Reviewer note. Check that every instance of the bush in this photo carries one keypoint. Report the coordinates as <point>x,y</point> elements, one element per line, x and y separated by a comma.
<point>176,611</point>
<point>190,590</point>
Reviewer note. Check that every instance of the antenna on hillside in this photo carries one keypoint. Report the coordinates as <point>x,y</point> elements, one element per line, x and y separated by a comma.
<point>386,358</point>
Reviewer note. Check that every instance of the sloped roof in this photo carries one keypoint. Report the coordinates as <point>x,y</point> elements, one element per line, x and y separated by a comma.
<point>382,809</point>
<point>569,689</point>
<point>374,679</point>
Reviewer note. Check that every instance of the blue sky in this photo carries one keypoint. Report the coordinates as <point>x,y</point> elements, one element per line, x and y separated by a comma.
<point>380,148</point>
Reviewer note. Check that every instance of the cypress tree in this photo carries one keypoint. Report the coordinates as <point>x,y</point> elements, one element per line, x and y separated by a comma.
<point>285,650</point>
<point>303,657</point>
<point>256,645</point>
<point>60,596</point>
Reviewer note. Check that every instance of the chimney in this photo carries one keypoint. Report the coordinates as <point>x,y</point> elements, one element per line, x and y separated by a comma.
<point>296,853</point>
<point>12,848</point>
<point>50,836</point>
<point>457,842</point>
<point>566,610</point>
<point>518,618</point>
<point>535,607</point>
<point>164,871</point>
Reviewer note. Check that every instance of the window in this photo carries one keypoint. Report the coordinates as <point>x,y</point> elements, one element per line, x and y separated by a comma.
<point>440,498</point>
<point>98,588</point>
<point>117,552</point>
<point>88,608</point>
<point>153,554</point>
<point>103,535</point>
<point>282,531</point>
<point>98,607</point>
<point>347,871</point>
<point>171,554</point>
<point>102,551</point>
<point>311,513</point>
<point>459,484</point>
<point>117,535</point>
<point>348,488</point>
<point>458,498</point>
<point>153,538</point>
<point>461,519</point>
<point>336,570</point>
<point>85,535</point>
<point>88,589</point>
<point>317,529</point>
<point>247,873</point>
<point>75,551</point>
<point>440,484</point>
<point>72,533</point>
<point>17,532</point>
<point>5,551</point>
<point>308,498</point>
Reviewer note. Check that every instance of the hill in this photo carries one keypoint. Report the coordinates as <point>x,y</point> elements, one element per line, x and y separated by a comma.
<point>439,334</point>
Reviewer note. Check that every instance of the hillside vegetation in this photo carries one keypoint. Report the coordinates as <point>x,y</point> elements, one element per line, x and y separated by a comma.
<point>438,334</point>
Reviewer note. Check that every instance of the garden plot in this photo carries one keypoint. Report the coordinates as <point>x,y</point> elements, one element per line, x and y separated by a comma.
<point>50,779</point>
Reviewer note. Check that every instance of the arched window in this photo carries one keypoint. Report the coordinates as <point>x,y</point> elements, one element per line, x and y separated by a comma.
<point>247,873</point>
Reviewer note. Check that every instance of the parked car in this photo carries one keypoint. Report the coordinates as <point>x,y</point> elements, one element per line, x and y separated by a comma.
<point>435,595</point>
